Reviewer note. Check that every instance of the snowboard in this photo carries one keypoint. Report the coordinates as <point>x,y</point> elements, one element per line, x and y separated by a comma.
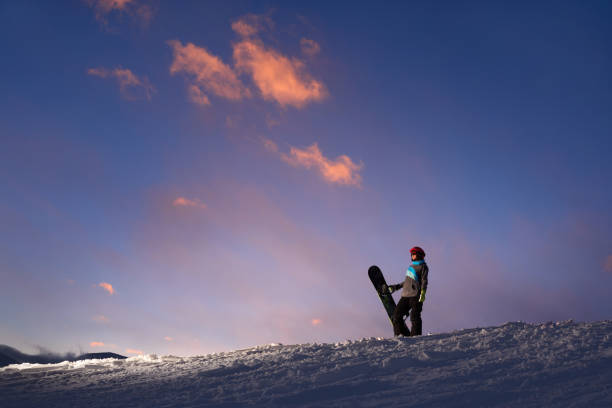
<point>378,280</point>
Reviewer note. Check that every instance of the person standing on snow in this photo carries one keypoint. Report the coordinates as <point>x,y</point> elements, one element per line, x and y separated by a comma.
<point>413,294</point>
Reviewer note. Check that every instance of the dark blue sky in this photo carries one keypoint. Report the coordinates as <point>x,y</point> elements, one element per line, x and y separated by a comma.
<point>230,171</point>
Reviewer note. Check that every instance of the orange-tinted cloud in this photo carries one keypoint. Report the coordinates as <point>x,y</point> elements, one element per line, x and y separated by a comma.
<point>130,85</point>
<point>106,6</point>
<point>278,78</point>
<point>270,145</point>
<point>207,72</point>
<point>107,287</point>
<point>134,8</point>
<point>310,47</point>
<point>101,319</point>
<point>315,322</point>
<point>133,351</point>
<point>168,338</point>
<point>342,170</point>
<point>197,96</point>
<point>608,264</point>
<point>186,202</point>
<point>251,24</point>
<point>96,344</point>
<point>145,13</point>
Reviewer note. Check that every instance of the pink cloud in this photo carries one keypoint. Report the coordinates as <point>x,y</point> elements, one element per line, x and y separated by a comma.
<point>270,145</point>
<point>207,72</point>
<point>342,170</point>
<point>309,47</point>
<point>96,344</point>
<point>134,8</point>
<point>106,6</point>
<point>107,287</point>
<point>145,13</point>
<point>168,338</point>
<point>244,28</point>
<point>316,322</point>
<point>101,319</point>
<point>197,96</point>
<point>130,85</point>
<point>278,78</point>
<point>133,351</point>
<point>608,264</point>
<point>251,24</point>
<point>186,202</point>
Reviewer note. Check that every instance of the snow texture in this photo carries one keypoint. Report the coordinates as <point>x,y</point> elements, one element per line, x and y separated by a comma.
<point>562,364</point>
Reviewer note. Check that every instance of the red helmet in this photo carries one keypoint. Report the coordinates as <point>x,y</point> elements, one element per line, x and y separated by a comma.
<point>419,251</point>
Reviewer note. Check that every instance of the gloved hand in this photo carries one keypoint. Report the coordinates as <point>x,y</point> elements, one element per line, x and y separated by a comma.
<point>422,297</point>
<point>387,289</point>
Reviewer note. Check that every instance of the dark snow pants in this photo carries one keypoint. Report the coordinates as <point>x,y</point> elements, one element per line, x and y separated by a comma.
<point>405,305</point>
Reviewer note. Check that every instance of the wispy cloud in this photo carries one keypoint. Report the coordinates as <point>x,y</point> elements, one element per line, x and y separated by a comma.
<point>186,202</point>
<point>133,351</point>
<point>315,322</point>
<point>251,24</point>
<point>205,72</point>
<point>341,170</point>
<point>270,145</point>
<point>197,96</point>
<point>168,338</point>
<point>131,86</point>
<point>134,8</point>
<point>608,264</point>
<point>101,319</point>
<point>96,344</point>
<point>309,47</point>
<point>107,287</point>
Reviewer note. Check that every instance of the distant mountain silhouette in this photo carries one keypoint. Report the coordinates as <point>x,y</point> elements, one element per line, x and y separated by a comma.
<point>90,356</point>
<point>10,355</point>
<point>6,360</point>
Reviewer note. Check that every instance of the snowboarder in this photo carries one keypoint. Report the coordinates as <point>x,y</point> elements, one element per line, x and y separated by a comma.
<point>413,295</point>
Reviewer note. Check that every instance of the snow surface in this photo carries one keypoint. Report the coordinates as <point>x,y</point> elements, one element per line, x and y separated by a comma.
<point>561,364</point>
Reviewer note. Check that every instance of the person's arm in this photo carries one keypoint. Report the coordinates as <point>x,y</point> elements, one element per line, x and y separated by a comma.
<point>397,287</point>
<point>424,273</point>
<point>392,288</point>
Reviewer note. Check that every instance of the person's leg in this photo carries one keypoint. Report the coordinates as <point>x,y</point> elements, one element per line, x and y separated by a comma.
<point>415,316</point>
<point>401,310</point>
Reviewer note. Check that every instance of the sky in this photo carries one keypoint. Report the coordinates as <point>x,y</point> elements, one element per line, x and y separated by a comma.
<point>192,177</point>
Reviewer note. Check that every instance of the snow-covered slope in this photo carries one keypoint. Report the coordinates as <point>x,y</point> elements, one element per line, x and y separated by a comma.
<point>517,364</point>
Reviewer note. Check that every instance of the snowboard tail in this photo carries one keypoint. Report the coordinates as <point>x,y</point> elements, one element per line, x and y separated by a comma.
<point>378,280</point>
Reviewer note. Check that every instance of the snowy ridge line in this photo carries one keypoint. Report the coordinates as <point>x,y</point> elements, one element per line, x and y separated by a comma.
<point>531,365</point>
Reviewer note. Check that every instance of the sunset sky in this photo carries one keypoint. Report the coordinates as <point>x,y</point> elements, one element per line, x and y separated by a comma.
<point>186,177</point>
